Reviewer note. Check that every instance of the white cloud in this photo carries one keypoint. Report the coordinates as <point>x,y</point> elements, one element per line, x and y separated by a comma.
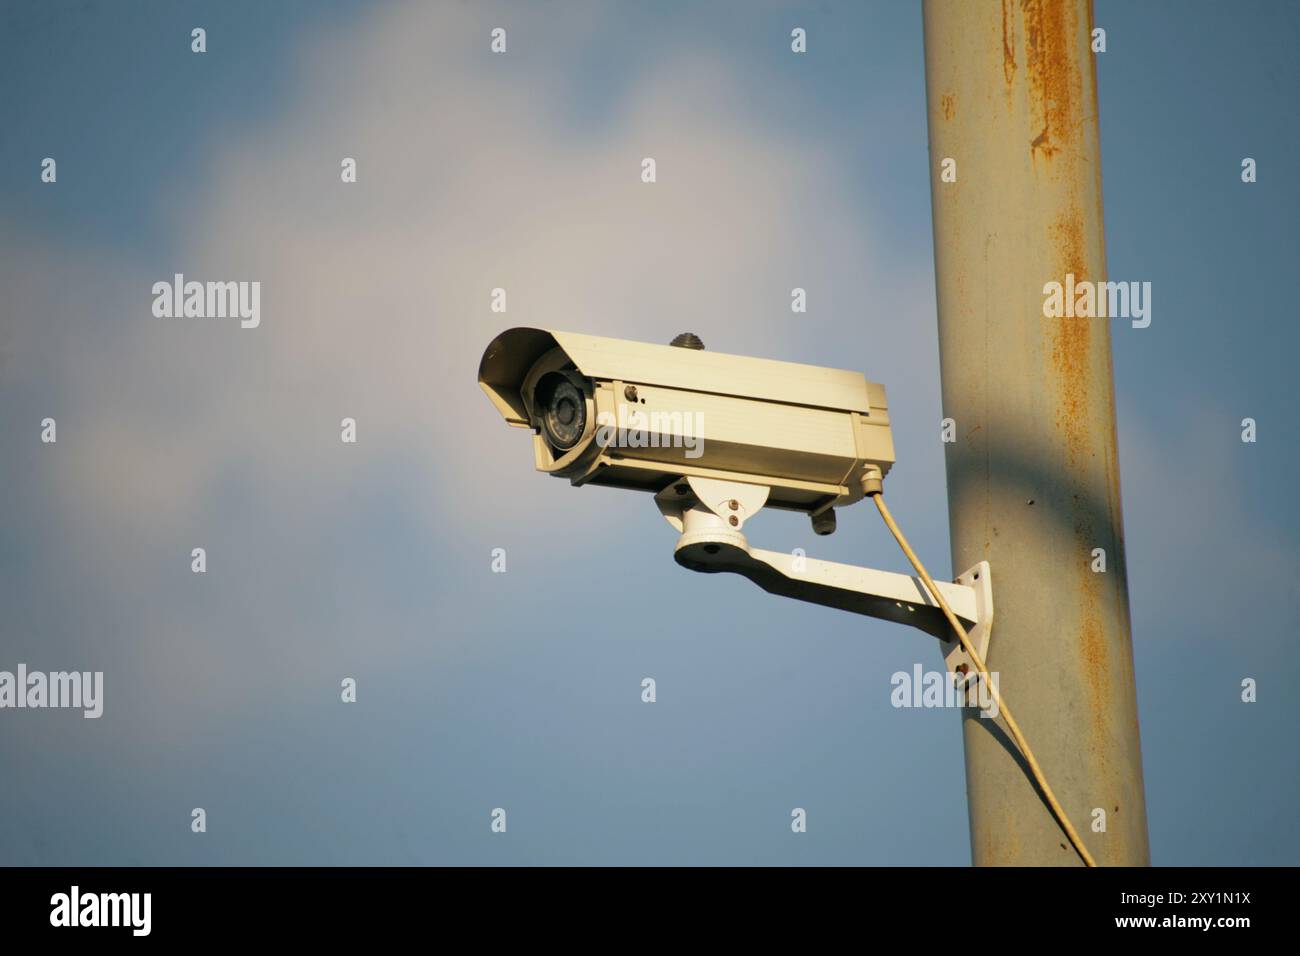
<point>375,295</point>
<point>375,306</point>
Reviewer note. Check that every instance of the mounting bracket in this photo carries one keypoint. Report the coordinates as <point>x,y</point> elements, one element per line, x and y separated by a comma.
<point>709,513</point>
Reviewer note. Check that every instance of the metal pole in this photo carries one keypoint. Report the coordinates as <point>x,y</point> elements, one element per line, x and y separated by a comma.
<point>1033,476</point>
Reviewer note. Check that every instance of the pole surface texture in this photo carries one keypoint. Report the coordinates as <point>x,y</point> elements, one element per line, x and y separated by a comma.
<point>1033,473</point>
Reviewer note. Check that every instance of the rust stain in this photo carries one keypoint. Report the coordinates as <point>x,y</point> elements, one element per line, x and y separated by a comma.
<point>1096,675</point>
<point>948,105</point>
<point>1054,74</point>
<point>1008,41</point>
<point>1011,838</point>
<point>1073,360</point>
<point>1072,342</point>
<point>1092,63</point>
<point>1078,350</point>
<point>1094,663</point>
<point>1095,653</point>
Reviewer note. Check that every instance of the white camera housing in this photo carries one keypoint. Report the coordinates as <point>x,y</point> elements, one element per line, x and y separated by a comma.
<point>768,434</point>
<point>640,416</point>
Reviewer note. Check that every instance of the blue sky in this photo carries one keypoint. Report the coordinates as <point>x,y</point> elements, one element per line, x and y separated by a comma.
<point>478,690</point>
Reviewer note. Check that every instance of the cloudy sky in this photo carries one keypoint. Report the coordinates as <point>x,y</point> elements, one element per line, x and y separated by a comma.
<point>373,561</point>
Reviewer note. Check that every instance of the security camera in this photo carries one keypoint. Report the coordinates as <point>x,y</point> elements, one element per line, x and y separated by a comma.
<point>716,438</point>
<point>647,417</point>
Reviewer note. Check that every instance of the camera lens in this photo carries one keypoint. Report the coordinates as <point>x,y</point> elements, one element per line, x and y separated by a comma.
<point>563,410</point>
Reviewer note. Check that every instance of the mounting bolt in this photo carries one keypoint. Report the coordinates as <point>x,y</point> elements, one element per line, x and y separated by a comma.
<point>630,393</point>
<point>733,504</point>
<point>734,520</point>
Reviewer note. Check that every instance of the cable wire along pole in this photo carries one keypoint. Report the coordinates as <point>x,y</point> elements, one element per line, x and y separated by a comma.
<point>1033,472</point>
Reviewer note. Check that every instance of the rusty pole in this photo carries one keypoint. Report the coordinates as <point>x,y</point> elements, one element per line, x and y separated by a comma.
<point>1033,476</point>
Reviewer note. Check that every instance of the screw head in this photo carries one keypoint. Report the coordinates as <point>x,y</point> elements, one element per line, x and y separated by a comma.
<point>630,393</point>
